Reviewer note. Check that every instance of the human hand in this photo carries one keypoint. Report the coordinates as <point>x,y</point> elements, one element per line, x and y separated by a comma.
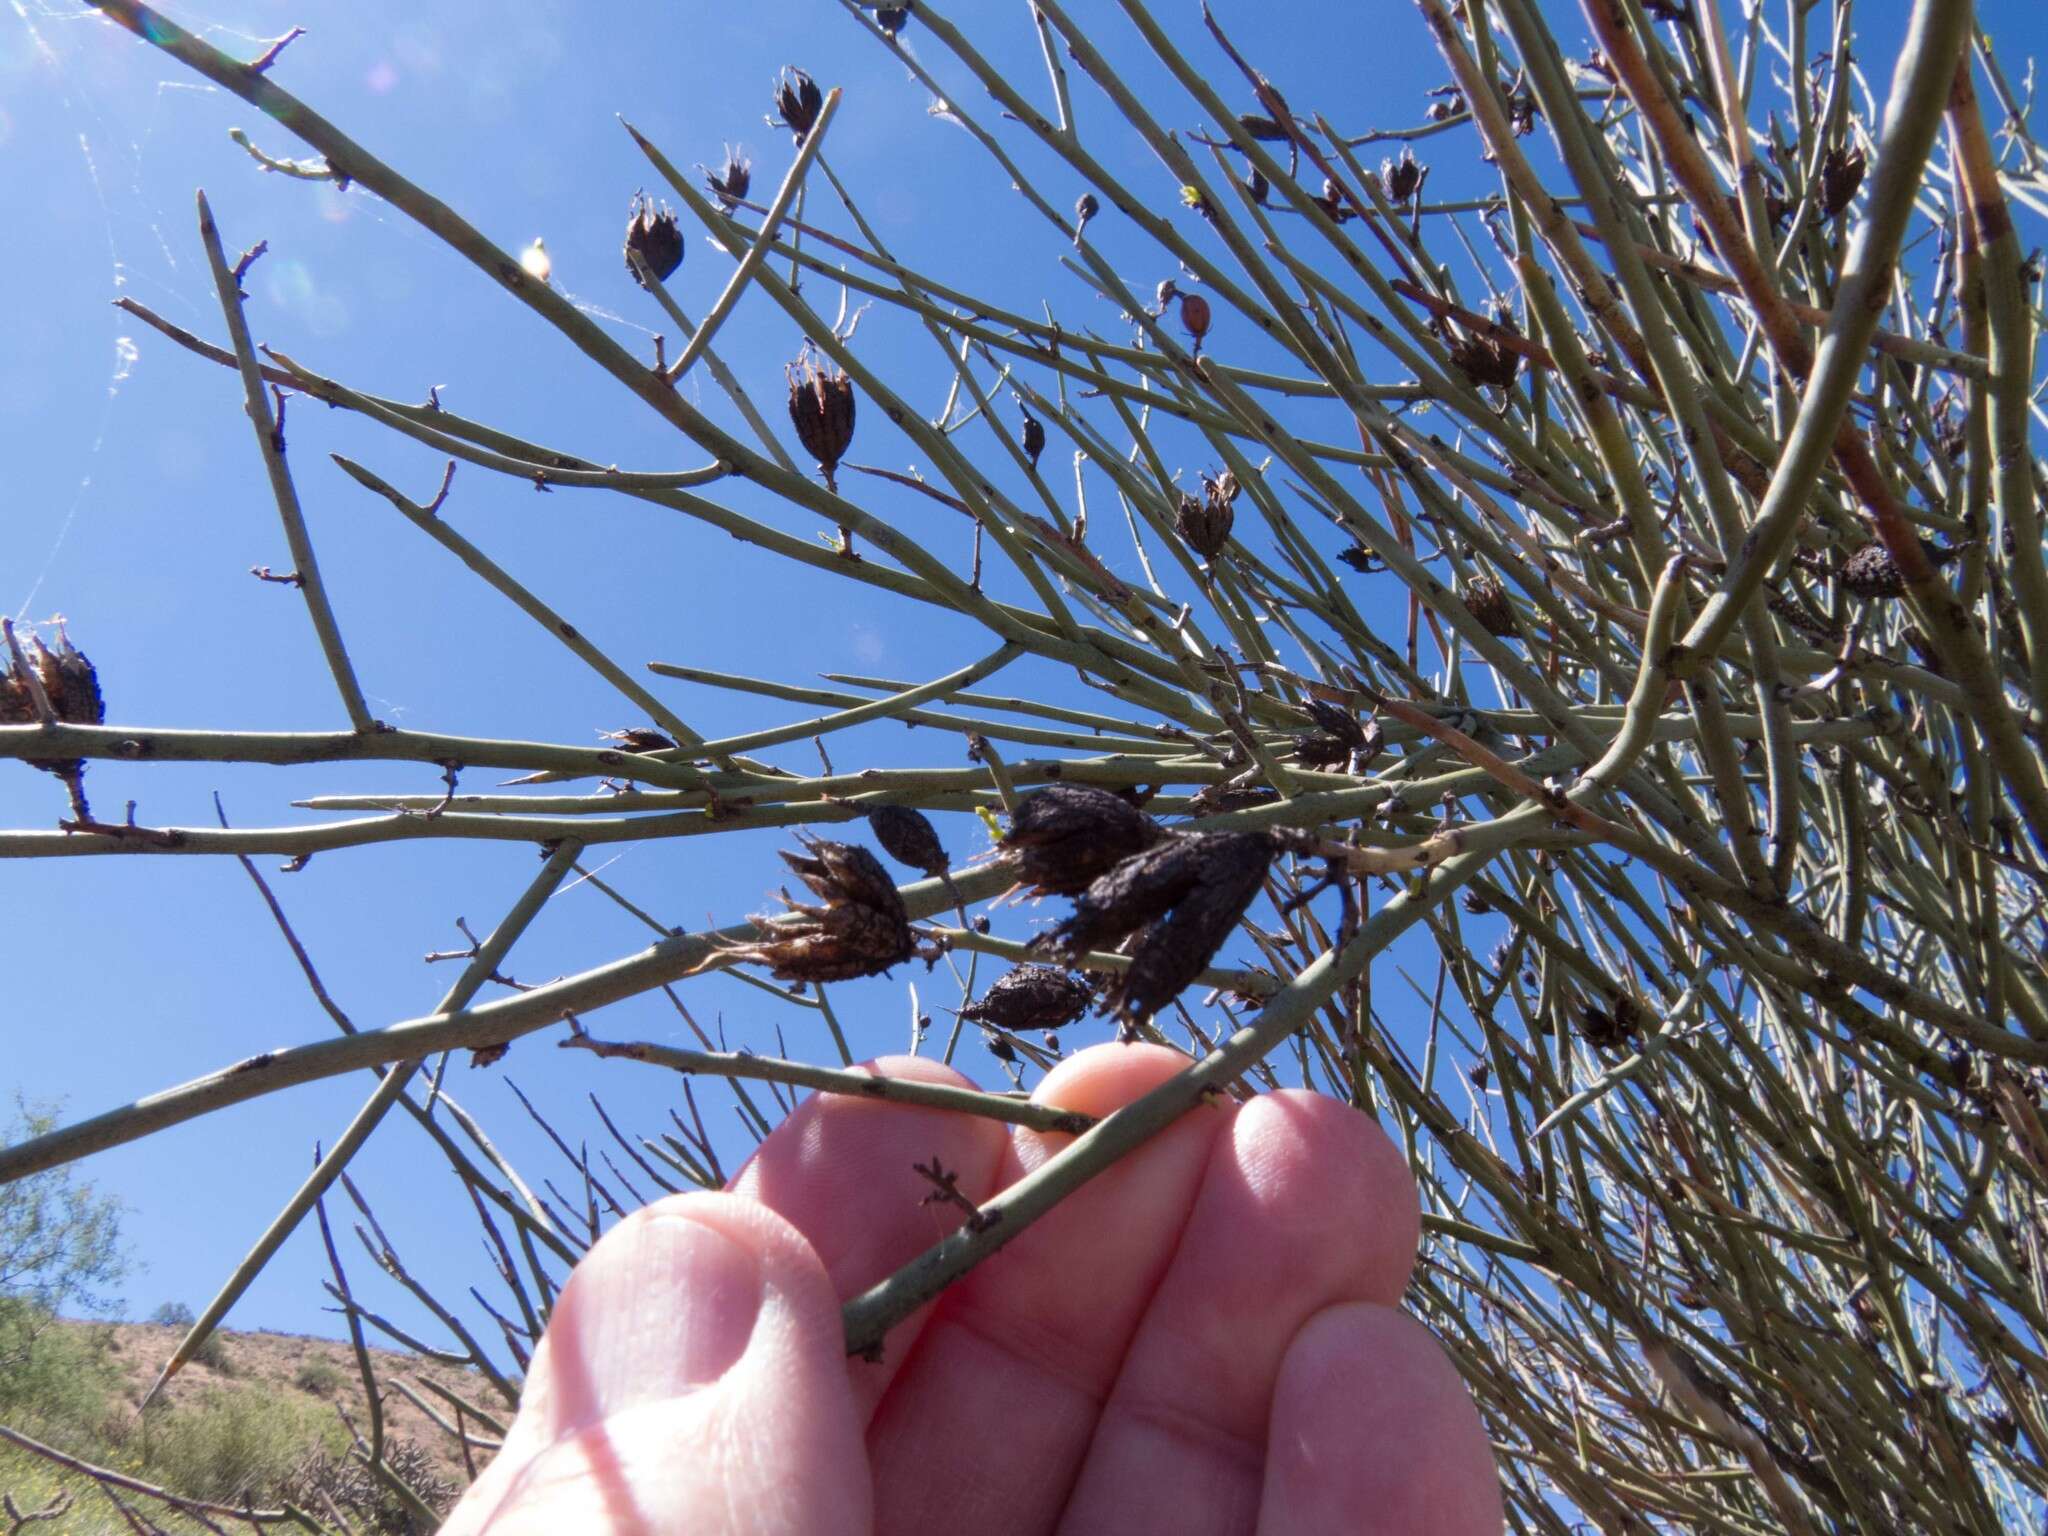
<point>1202,1339</point>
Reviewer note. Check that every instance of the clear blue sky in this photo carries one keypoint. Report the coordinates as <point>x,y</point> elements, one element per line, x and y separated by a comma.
<point>134,504</point>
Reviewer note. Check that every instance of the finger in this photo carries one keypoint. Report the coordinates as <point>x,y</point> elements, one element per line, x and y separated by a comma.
<point>986,1426</point>
<point>1374,1434</point>
<point>839,1170</point>
<point>695,1381</point>
<point>1305,1203</point>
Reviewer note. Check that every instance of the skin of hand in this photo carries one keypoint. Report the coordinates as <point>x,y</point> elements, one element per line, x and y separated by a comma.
<point>1203,1339</point>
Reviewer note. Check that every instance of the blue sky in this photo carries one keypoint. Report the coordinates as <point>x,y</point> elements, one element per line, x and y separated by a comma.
<point>135,506</point>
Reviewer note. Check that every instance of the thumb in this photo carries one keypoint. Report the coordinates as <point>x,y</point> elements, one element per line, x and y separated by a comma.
<point>692,1379</point>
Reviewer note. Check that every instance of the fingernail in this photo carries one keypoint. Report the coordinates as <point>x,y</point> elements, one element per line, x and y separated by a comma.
<point>667,1306</point>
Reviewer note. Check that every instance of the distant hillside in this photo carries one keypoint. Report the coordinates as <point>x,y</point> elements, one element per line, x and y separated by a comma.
<point>238,1423</point>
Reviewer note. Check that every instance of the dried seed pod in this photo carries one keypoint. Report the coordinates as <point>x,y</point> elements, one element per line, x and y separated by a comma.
<point>1064,835</point>
<point>1194,317</point>
<point>1337,720</point>
<point>1264,129</point>
<point>908,838</point>
<point>1138,891</point>
<point>17,705</point>
<point>798,101</point>
<point>1487,601</point>
<point>892,19</point>
<point>731,182</point>
<point>1186,896</point>
<point>1608,1029</point>
<point>1085,208</point>
<point>1402,178</point>
<point>653,235</point>
<point>861,929</point>
<point>640,739</point>
<point>1034,438</point>
<point>1484,359</point>
<point>1315,749</point>
<point>72,687</point>
<point>1031,997</point>
<point>1216,799</point>
<point>821,409</point>
<point>1841,173</point>
<point>1204,522</point>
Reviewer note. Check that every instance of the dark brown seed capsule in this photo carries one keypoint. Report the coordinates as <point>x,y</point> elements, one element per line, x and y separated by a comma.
<point>1031,997</point>
<point>1608,1029</point>
<point>892,19</point>
<point>1255,185</point>
<point>908,838</point>
<point>653,235</point>
<point>798,101</point>
<point>1315,749</point>
<point>1187,898</point>
<point>1064,835</point>
<point>1085,208</point>
<point>1219,798</point>
<point>1194,317</point>
<point>1841,173</point>
<point>640,739</point>
<point>1484,359</point>
<point>1402,178</point>
<point>1034,438</point>
<point>821,409</point>
<point>731,182</point>
<point>859,929</point>
<point>1137,892</point>
<point>72,687</point>
<point>1487,601</point>
<point>17,705</point>
<point>1263,129</point>
<point>1204,522</point>
<point>1337,720</point>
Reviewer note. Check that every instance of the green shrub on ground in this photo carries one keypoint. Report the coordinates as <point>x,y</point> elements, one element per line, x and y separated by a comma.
<point>233,1443</point>
<point>319,1377</point>
<point>57,1380</point>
